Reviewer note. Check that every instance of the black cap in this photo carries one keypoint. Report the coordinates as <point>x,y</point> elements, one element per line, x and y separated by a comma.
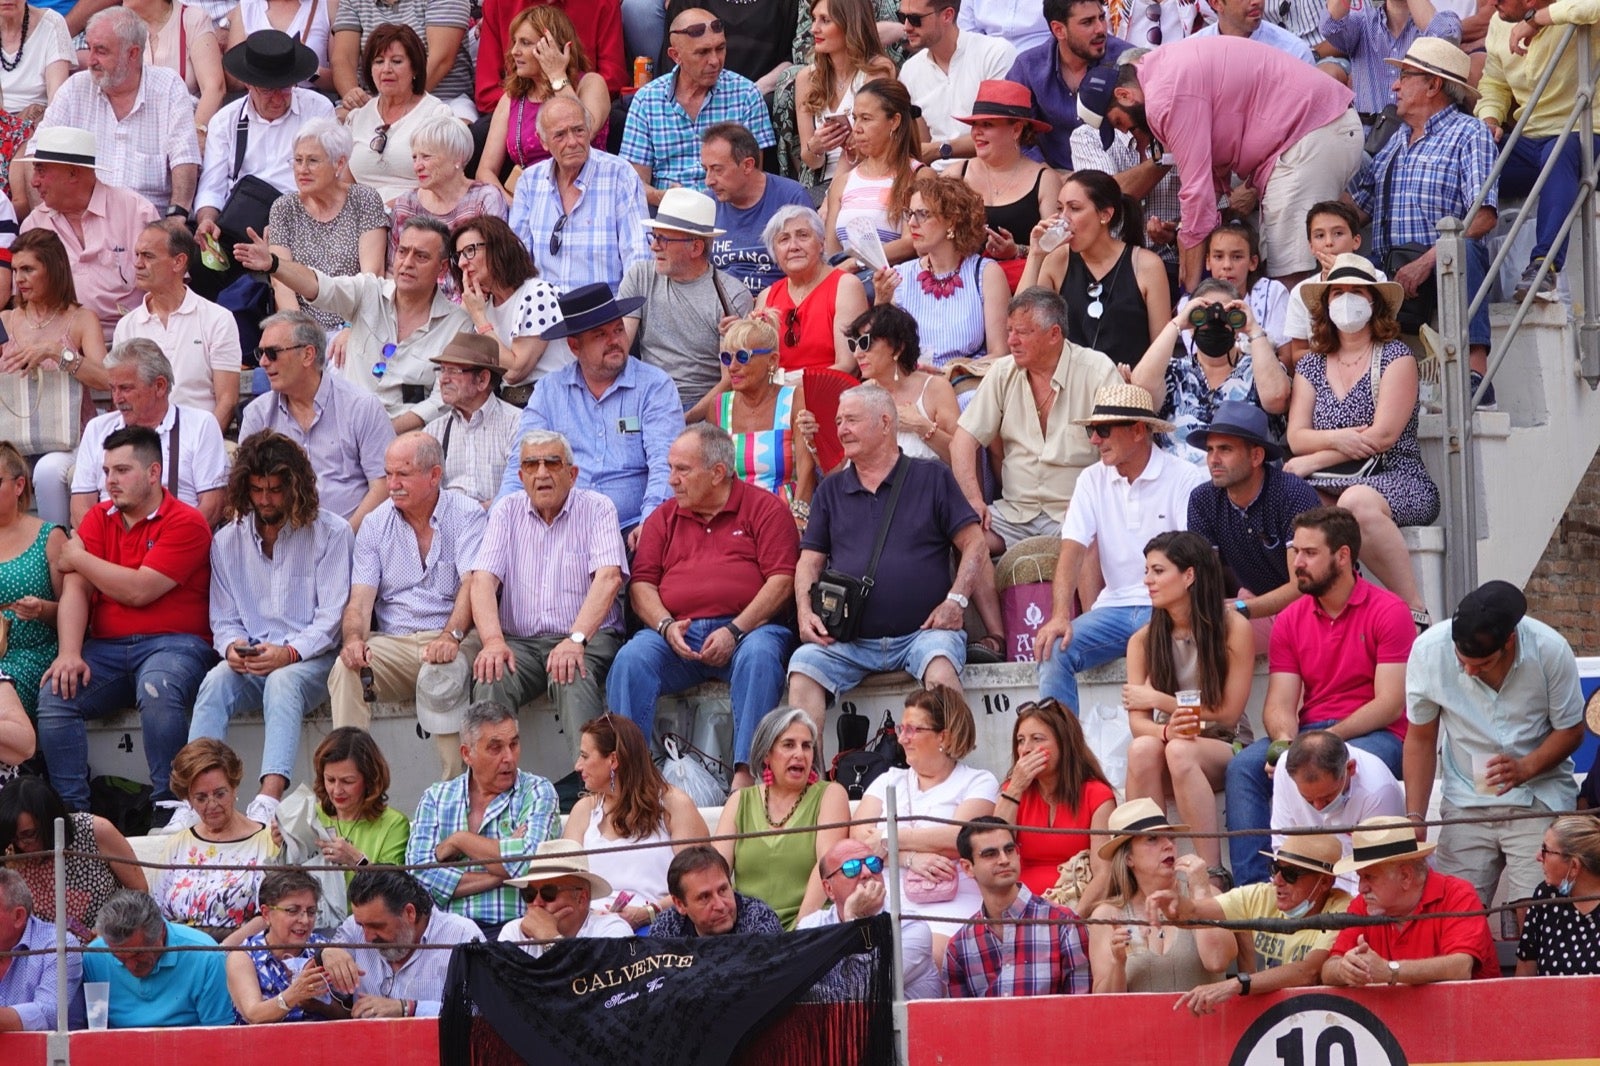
<point>1486,618</point>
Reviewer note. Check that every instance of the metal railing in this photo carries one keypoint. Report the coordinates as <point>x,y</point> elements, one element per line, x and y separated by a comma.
<point>1457,304</point>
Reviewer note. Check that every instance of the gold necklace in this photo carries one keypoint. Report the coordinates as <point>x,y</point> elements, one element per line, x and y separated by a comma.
<point>36,325</point>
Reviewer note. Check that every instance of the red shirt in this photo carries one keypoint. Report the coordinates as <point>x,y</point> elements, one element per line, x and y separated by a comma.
<point>714,569</point>
<point>599,26</point>
<point>1429,939</point>
<point>1043,853</point>
<point>1335,658</point>
<point>174,541</point>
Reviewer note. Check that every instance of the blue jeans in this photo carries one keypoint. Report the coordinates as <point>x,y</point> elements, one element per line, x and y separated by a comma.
<point>647,667</point>
<point>157,674</point>
<point>1527,158</point>
<point>1249,792</point>
<point>644,30</point>
<point>1098,637</point>
<point>1477,268</point>
<point>283,697</point>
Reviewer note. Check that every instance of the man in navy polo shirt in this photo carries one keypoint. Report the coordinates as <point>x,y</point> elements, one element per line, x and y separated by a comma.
<point>1248,510</point>
<point>1055,70</point>
<point>914,616</point>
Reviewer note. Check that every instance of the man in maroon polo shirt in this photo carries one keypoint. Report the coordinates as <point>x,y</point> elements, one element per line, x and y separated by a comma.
<point>134,619</point>
<point>713,581</point>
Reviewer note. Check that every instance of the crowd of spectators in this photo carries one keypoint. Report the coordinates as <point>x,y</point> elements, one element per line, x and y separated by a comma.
<point>446,369</point>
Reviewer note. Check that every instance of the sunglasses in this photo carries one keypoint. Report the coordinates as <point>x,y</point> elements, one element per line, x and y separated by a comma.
<point>742,356</point>
<point>1103,429</point>
<point>268,355</point>
<point>851,868</point>
<point>1290,874</point>
<point>911,19</point>
<point>555,234</point>
<point>543,462</point>
<point>699,29</point>
<point>859,343</point>
<point>1095,308</point>
<point>548,893</point>
<point>380,139</point>
<point>381,367</point>
<point>791,327</point>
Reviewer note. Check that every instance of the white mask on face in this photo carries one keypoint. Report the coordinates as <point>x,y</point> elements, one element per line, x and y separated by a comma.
<point>1349,311</point>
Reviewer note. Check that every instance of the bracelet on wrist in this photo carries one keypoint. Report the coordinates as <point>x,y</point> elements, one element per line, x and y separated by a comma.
<point>661,626</point>
<point>1009,796</point>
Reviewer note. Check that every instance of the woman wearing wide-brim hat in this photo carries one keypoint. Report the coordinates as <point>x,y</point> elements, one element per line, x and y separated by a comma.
<point>1355,399</point>
<point>1140,956</point>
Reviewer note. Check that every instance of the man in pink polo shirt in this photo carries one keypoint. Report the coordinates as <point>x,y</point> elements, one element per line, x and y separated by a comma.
<point>1216,107</point>
<point>1337,662</point>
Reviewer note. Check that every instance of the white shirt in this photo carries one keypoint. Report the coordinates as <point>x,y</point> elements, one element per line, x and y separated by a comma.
<point>421,977</point>
<point>943,94</point>
<point>599,923</point>
<point>1019,21</point>
<point>269,146</point>
<point>1372,791</point>
<point>202,461</point>
<point>1272,36</point>
<point>198,337</point>
<point>1121,517</point>
<point>923,979</point>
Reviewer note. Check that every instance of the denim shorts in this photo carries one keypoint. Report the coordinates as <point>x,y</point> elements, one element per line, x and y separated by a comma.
<point>840,667</point>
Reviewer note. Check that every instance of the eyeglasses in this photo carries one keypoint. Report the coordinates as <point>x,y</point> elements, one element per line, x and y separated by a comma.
<point>381,367</point>
<point>919,216</point>
<point>1545,853</point>
<point>699,29</point>
<point>544,462</point>
<point>294,913</point>
<point>655,238</point>
<point>791,327</point>
<point>1414,74</point>
<point>1290,874</point>
<point>468,252</point>
<point>380,138</point>
<point>915,730</point>
<point>1103,429</point>
<point>555,234</point>
<point>548,893</point>
<point>911,19</point>
<point>851,868</point>
<point>859,343</point>
<point>267,355</point>
<point>742,356</point>
<point>201,799</point>
<point>1095,308</point>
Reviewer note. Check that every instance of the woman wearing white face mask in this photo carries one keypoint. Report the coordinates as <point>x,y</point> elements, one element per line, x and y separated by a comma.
<point>1355,400</point>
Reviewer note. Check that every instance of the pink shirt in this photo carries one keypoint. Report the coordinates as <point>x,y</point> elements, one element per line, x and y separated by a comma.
<point>1230,105</point>
<point>102,262</point>
<point>1336,658</point>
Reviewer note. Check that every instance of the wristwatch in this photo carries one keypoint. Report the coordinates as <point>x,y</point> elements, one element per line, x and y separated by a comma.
<point>1532,11</point>
<point>1243,607</point>
<point>946,150</point>
<point>6,678</point>
<point>738,634</point>
<point>558,84</point>
<point>1394,972</point>
<point>177,211</point>
<point>1244,983</point>
<point>457,635</point>
<point>69,361</point>
<point>578,637</point>
<point>958,599</point>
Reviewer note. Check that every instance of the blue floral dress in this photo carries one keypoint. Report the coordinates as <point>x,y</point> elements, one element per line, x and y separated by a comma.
<point>1191,401</point>
<point>275,975</point>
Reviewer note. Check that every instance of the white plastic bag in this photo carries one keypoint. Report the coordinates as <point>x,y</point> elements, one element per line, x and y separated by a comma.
<point>690,774</point>
<point>1106,729</point>
<point>301,830</point>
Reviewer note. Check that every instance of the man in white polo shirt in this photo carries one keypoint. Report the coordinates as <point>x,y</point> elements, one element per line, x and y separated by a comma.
<point>944,75</point>
<point>1322,781</point>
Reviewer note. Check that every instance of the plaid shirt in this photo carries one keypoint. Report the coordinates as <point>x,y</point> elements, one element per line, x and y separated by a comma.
<point>1364,37</point>
<point>520,818</point>
<point>1160,202</point>
<point>661,135</point>
<point>600,239</point>
<point>1437,176</point>
<point>137,152</point>
<point>1021,960</point>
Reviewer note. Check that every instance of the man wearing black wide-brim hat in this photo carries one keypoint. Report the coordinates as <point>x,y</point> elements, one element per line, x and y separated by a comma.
<point>270,63</point>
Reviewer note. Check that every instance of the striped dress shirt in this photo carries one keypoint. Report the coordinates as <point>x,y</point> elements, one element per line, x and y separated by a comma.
<point>545,570</point>
<point>476,447</point>
<point>295,597</point>
<point>416,593</point>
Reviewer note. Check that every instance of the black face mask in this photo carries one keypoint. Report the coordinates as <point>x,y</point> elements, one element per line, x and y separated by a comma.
<point>1215,339</point>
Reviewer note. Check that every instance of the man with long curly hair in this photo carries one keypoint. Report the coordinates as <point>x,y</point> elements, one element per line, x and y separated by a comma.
<point>280,575</point>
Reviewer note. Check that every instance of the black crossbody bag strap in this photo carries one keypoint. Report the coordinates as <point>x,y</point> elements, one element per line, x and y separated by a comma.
<point>900,469</point>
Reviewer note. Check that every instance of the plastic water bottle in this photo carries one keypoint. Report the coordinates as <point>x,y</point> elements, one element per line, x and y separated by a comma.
<point>1055,236</point>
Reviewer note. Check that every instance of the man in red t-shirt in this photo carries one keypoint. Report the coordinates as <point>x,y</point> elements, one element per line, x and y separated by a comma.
<point>1396,882</point>
<point>713,581</point>
<point>133,619</point>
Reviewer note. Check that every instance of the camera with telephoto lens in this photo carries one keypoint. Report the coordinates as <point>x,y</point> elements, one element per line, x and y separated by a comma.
<point>1203,314</point>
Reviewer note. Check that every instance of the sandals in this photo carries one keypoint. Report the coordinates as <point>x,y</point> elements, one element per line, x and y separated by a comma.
<point>1422,619</point>
<point>987,649</point>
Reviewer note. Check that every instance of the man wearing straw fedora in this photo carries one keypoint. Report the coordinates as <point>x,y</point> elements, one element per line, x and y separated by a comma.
<point>1397,883</point>
<point>1302,885</point>
<point>477,427</point>
<point>557,890</point>
<point>1136,491</point>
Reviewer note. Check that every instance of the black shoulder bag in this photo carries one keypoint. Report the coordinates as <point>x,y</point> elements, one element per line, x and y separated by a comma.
<point>250,203</point>
<point>840,599</point>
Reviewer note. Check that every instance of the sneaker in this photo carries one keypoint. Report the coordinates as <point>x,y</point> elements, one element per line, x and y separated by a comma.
<point>1487,403</point>
<point>1547,287</point>
<point>181,817</point>
<point>262,809</point>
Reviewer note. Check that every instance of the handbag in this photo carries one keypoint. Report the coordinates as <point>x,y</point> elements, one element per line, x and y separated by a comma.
<point>1343,475</point>
<point>1414,311</point>
<point>920,888</point>
<point>250,203</point>
<point>840,599</point>
<point>856,769</point>
<point>41,411</point>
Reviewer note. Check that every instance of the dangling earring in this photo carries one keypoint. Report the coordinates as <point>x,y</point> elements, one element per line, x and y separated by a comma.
<point>811,778</point>
<point>766,776</point>
<point>613,779</point>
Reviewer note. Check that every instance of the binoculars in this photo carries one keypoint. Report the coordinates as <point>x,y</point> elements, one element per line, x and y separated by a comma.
<point>1201,314</point>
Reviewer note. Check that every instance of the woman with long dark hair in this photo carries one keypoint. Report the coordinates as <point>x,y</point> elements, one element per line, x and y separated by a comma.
<point>1192,645</point>
<point>878,188</point>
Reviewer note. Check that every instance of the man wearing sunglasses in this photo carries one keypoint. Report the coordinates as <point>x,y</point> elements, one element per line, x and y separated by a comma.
<point>1302,885</point>
<point>944,74</point>
<point>557,890</point>
<point>852,879</point>
<point>662,138</point>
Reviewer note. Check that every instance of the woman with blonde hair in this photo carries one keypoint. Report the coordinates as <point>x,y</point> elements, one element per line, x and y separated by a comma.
<point>763,415</point>
<point>846,54</point>
<point>1560,934</point>
<point>544,59</point>
<point>440,149</point>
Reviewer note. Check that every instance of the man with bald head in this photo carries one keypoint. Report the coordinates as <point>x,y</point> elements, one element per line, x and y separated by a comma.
<point>669,115</point>
<point>852,879</point>
<point>579,212</point>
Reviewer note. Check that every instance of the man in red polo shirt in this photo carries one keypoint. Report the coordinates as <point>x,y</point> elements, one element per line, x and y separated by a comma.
<point>1396,882</point>
<point>713,580</point>
<point>137,586</point>
<point>599,26</point>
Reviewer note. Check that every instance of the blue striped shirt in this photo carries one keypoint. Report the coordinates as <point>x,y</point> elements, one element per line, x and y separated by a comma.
<point>1438,176</point>
<point>601,237</point>
<point>1364,36</point>
<point>661,135</point>
<point>416,593</point>
<point>295,597</point>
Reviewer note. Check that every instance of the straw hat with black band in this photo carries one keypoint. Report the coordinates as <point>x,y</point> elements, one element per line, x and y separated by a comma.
<point>1123,402</point>
<point>1353,271</point>
<point>62,144</point>
<point>1136,818</point>
<point>1380,840</point>
<point>1440,58</point>
<point>1319,853</point>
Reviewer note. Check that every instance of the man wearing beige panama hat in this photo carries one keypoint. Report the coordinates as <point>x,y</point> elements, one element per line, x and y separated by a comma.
<point>1136,491</point>
<point>557,890</point>
<point>1397,882</point>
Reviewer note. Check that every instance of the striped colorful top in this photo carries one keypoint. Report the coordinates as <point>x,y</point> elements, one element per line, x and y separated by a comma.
<point>868,198</point>
<point>766,458</point>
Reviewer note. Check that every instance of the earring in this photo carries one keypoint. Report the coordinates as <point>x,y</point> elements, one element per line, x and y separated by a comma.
<point>766,776</point>
<point>811,778</point>
<point>950,234</point>
<point>613,779</point>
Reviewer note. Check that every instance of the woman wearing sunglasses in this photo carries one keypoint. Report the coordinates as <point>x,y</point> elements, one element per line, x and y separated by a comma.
<point>1224,340</point>
<point>813,301</point>
<point>763,416</point>
<point>396,64</point>
<point>285,983</point>
<point>887,349</point>
<point>1116,289</point>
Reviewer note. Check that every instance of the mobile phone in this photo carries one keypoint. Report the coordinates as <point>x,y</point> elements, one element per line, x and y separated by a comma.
<point>250,650</point>
<point>4,336</point>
